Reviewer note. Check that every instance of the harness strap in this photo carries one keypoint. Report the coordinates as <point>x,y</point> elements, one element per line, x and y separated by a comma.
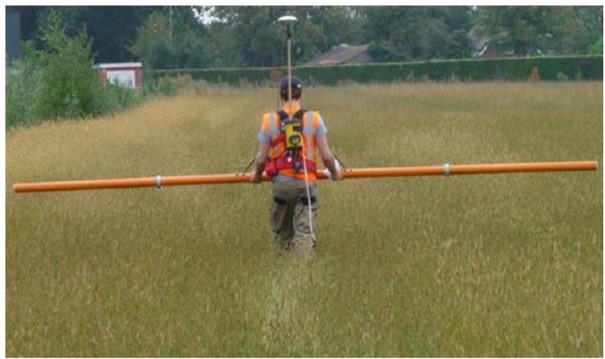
<point>282,163</point>
<point>298,114</point>
<point>278,139</point>
<point>279,163</point>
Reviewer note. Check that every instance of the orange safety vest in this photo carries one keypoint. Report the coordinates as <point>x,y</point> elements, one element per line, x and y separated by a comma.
<point>292,166</point>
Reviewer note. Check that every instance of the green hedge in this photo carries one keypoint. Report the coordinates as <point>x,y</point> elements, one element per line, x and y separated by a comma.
<point>549,68</point>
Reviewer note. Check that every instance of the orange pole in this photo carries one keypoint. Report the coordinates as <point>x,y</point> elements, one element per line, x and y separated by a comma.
<point>444,170</point>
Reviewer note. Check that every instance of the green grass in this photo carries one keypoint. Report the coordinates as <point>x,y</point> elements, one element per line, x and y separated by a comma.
<point>490,265</point>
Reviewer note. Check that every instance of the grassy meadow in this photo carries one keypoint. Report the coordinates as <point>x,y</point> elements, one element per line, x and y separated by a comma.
<point>486,265</point>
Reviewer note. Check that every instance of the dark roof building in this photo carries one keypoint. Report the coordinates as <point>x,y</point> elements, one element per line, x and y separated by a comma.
<point>343,54</point>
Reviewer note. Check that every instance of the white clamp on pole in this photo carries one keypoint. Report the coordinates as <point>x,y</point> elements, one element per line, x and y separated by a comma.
<point>447,169</point>
<point>158,181</point>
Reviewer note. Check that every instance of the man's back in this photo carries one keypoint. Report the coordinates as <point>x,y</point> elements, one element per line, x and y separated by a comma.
<point>312,127</point>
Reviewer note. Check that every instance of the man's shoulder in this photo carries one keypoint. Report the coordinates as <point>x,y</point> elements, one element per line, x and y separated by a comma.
<point>268,115</point>
<point>315,113</point>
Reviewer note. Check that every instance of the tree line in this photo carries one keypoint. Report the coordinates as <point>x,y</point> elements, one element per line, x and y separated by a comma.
<point>248,36</point>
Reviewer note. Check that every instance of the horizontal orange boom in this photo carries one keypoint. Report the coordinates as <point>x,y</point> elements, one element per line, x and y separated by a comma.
<point>445,170</point>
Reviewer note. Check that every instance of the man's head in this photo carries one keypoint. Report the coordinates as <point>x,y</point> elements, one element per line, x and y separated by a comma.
<point>296,88</point>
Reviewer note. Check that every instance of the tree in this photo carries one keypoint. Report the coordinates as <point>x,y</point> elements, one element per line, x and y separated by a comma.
<point>110,28</point>
<point>417,32</point>
<point>541,29</point>
<point>171,38</point>
<point>69,86</point>
<point>580,31</point>
<point>597,48</point>
<point>250,35</point>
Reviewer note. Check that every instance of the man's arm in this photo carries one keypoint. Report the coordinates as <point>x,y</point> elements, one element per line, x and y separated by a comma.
<point>328,158</point>
<point>261,158</point>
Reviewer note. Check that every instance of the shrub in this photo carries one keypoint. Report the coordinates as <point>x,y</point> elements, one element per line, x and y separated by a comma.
<point>597,48</point>
<point>116,98</point>
<point>22,79</point>
<point>574,67</point>
<point>69,86</point>
<point>60,82</point>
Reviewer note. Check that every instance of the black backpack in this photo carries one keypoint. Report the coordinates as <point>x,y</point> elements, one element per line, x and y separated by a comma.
<point>291,127</point>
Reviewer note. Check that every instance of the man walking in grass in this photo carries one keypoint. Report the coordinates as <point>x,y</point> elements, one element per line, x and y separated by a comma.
<point>289,142</point>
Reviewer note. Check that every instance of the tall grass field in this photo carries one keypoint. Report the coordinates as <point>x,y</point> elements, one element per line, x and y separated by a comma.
<point>466,266</point>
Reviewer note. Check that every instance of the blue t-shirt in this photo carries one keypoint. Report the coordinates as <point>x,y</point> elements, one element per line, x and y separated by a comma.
<point>270,130</point>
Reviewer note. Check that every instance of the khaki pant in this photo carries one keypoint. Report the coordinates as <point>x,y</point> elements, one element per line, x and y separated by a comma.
<point>290,218</point>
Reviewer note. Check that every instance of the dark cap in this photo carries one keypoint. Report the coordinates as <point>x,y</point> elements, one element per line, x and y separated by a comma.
<point>296,83</point>
<point>296,88</point>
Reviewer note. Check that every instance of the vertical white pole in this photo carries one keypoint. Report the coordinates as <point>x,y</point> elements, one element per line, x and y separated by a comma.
<point>309,209</point>
<point>287,19</point>
<point>289,64</point>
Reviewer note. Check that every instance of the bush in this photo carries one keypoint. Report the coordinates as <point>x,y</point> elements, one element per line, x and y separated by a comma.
<point>116,98</point>
<point>22,79</point>
<point>163,86</point>
<point>597,48</point>
<point>235,76</point>
<point>170,85</point>
<point>574,67</point>
<point>60,82</point>
<point>69,86</point>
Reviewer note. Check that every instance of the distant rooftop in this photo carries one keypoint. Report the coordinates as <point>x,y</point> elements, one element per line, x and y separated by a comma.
<point>115,65</point>
<point>342,54</point>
